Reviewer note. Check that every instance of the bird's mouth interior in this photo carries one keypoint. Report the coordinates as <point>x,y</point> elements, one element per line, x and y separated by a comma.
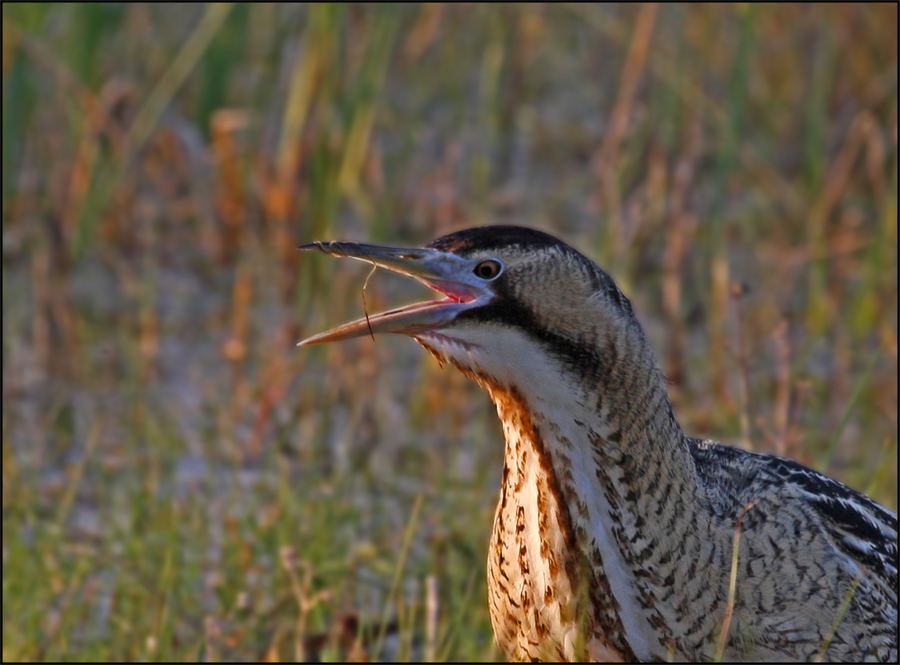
<point>456,293</point>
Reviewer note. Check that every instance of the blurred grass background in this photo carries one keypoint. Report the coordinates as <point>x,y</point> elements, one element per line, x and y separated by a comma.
<point>180,482</point>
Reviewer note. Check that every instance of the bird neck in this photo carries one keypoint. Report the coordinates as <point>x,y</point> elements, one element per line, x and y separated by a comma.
<point>609,417</point>
<point>614,460</point>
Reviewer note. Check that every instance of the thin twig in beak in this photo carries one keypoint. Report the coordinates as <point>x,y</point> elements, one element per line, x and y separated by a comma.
<point>365,306</point>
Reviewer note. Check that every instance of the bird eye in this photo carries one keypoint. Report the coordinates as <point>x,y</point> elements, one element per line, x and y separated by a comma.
<point>489,269</point>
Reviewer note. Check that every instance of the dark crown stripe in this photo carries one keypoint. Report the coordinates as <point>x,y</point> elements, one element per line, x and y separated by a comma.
<point>494,238</point>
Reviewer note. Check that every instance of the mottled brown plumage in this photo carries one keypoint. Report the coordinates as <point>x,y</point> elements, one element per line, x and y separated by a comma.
<point>614,534</point>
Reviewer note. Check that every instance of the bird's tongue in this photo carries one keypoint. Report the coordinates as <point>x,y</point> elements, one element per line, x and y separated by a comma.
<point>453,290</point>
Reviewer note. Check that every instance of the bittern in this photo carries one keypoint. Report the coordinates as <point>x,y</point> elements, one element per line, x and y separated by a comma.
<point>617,536</point>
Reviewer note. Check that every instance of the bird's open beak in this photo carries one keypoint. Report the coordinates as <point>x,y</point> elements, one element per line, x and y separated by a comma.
<point>444,272</point>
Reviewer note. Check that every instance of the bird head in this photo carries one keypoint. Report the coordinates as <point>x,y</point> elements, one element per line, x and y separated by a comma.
<point>519,305</point>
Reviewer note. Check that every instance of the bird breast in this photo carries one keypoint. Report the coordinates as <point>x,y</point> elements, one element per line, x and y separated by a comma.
<point>542,591</point>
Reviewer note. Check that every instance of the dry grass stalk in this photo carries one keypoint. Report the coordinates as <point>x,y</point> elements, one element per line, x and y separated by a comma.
<point>732,587</point>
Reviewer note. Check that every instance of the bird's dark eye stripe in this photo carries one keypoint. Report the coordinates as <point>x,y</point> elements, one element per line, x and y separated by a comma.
<point>508,311</point>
